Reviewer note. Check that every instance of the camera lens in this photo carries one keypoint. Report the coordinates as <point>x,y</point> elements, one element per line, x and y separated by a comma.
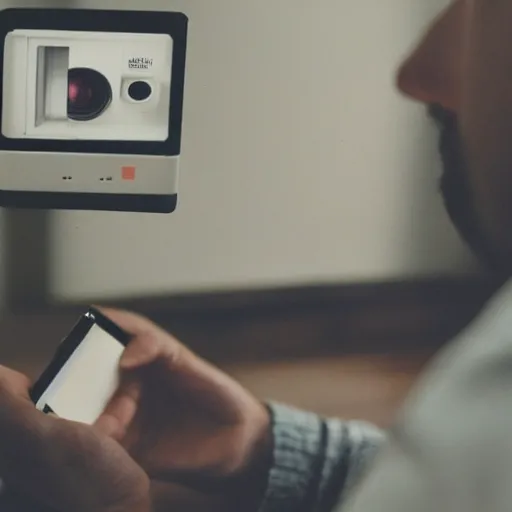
<point>89,94</point>
<point>139,91</point>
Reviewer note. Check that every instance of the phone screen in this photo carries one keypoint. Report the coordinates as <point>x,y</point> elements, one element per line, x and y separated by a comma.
<point>87,381</point>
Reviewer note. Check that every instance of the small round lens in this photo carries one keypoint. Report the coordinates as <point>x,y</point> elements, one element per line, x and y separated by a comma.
<point>139,91</point>
<point>89,94</point>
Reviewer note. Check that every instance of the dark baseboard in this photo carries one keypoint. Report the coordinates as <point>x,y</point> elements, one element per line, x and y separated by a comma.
<point>380,318</point>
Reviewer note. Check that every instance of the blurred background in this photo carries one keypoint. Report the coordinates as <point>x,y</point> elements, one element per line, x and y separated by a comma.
<point>310,255</point>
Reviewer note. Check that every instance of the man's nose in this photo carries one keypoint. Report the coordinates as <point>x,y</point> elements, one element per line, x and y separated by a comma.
<point>426,80</point>
<point>432,72</point>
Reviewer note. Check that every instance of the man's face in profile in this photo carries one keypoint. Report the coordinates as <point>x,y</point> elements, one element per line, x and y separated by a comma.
<point>445,72</point>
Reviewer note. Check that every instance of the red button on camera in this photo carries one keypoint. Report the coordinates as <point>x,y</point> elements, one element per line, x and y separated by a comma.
<point>128,173</point>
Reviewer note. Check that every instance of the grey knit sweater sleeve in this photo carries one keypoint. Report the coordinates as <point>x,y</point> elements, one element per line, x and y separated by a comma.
<point>316,461</point>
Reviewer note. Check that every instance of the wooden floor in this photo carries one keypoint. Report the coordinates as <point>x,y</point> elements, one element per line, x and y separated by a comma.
<point>369,388</point>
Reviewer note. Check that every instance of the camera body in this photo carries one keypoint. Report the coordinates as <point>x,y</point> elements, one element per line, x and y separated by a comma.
<point>91,108</point>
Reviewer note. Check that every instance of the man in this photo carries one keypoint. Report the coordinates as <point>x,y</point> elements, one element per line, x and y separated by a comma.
<point>181,436</point>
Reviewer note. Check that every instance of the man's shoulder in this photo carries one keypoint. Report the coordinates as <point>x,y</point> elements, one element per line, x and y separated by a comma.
<point>489,335</point>
<point>462,405</point>
<point>450,447</point>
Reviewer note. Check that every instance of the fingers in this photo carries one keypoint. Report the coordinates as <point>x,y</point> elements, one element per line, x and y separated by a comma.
<point>141,351</point>
<point>23,429</point>
<point>62,463</point>
<point>14,382</point>
<point>150,343</point>
<point>15,410</point>
<point>25,438</point>
<point>120,411</point>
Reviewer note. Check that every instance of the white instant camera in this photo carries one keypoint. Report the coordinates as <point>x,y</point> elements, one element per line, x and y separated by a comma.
<point>91,108</point>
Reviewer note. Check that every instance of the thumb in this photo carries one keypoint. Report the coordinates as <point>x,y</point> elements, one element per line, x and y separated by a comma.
<point>149,342</point>
<point>141,351</point>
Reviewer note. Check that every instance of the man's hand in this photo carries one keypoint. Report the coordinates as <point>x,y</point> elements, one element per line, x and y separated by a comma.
<point>186,422</point>
<point>61,465</point>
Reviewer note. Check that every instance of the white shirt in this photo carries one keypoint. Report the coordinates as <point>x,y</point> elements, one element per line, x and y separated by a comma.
<point>451,449</point>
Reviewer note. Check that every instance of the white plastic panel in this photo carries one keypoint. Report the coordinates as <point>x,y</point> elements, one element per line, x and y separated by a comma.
<point>85,384</point>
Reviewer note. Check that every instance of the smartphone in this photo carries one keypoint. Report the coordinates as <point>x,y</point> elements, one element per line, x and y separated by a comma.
<point>84,373</point>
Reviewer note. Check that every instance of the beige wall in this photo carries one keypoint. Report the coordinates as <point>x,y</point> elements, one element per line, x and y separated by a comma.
<point>300,161</point>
